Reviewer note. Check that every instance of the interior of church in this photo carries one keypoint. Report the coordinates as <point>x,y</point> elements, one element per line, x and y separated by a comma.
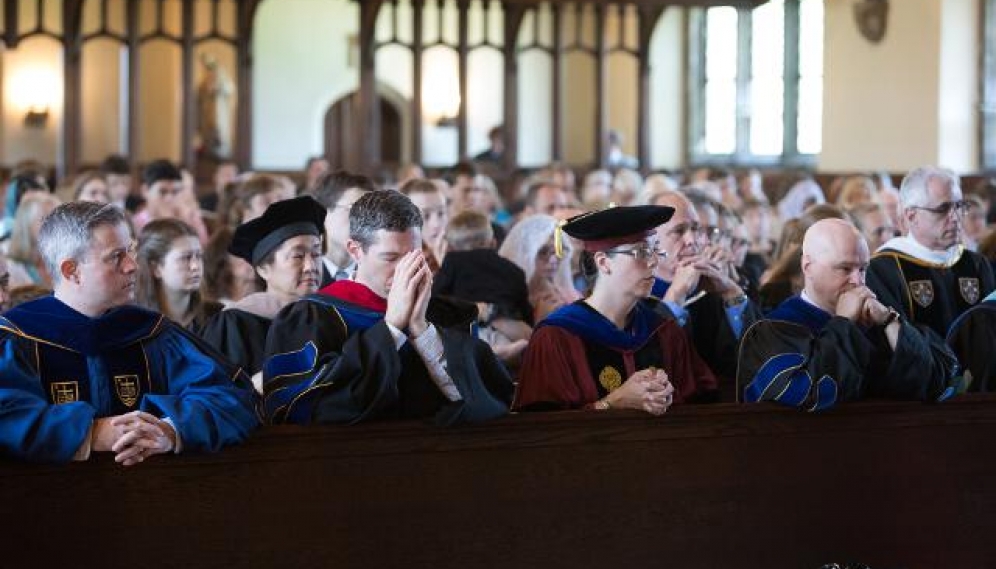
<point>784,83</point>
<point>498,283</point>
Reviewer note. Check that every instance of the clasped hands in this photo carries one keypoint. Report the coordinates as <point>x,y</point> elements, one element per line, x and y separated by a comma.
<point>860,305</point>
<point>408,297</point>
<point>712,267</point>
<point>133,437</point>
<point>647,390</point>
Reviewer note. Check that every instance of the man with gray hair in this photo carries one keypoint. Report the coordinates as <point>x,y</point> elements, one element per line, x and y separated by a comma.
<point>83,370</point>
<point>928,275</point>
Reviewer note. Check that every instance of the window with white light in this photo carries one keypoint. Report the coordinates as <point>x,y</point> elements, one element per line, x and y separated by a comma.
<point>757,92</point>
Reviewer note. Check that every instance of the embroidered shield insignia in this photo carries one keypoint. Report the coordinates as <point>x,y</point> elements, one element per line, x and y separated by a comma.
<point>610,378</point>
<point>126,387</point>
<point>969,289</point>
<point>64,392</point>
<point>922,292</point>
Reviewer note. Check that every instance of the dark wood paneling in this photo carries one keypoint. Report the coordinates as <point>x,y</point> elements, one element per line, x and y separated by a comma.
<point>887,484</point>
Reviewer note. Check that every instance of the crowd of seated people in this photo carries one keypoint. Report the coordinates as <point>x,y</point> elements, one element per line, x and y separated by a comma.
<point>458,298</point>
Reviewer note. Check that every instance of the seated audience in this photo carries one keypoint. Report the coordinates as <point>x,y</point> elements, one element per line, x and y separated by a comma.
<point>117,170</point>
<point>473,271</point>
<point>431,203</point>
<point>18,188</point>
<point>973,224</point>
<point>91,187</point>
<point>227,278</point>
<point>531,246</point>
<point>338,191</point>
<point>162,184</point>
<point>170,273</point>
<point>927,275</point>
<point>381,346</point>
<point>836,341</point>
<point>874,224</point>
<point>284,246</point>
<point>856,190</point>
<point>84,371</point>
<point>24,258</point>
<point>693,280</point>
<point>614,349</point>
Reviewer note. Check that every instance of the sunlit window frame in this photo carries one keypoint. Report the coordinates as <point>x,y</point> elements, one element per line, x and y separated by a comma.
<point>987,110</point>
<point>742,156</point>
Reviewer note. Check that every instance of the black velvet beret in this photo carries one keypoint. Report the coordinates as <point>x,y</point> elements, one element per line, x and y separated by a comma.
<point>254,240</point>
<point>604,229</point>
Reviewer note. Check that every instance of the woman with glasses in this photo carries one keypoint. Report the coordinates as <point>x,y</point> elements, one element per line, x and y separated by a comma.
<point>531,245</point>
<point>614,349</point>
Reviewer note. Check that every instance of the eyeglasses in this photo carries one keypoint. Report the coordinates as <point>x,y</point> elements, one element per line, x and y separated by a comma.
<point>738,242</point>
<point>943,210</point>
<point>715,234</point>
<point>644,254</point>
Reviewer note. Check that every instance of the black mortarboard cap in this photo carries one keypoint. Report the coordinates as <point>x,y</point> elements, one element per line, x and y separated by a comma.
<point>254,240</point>
<point>607,228</point>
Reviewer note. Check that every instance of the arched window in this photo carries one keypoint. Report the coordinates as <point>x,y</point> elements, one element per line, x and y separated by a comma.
<point>757,84</point>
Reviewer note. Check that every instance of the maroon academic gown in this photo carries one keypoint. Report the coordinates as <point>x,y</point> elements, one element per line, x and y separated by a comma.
<point>576,356</point>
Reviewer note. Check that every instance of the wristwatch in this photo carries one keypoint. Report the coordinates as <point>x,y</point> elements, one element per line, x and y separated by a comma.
<point>735,301</point>
<point>892,317</point>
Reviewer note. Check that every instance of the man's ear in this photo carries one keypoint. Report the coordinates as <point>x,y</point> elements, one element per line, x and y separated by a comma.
<point>805,262</point>
<point>157,270</point>
<point>602,263</point>
<point>68,270</point>
<point>354,249</point>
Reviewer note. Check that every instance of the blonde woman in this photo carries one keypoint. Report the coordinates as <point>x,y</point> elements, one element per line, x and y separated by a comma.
<point>24,261</point>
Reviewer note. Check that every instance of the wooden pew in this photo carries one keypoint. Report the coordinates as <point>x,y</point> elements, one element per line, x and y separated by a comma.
<point>887,484</point>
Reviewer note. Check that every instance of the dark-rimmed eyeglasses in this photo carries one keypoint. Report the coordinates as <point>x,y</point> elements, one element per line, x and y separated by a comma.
<point>943,210</point>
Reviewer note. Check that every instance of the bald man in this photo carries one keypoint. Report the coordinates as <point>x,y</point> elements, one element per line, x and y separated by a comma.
<point>836,341</point>
<point>697,287</point>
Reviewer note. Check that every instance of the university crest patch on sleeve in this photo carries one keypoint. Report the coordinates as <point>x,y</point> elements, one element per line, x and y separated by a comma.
<point>969,288</point>
<point>922,292</point>
<point>126,387</point>
<point>64,392</point>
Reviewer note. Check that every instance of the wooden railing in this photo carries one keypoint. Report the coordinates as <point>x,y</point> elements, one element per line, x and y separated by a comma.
<point>890,485</point>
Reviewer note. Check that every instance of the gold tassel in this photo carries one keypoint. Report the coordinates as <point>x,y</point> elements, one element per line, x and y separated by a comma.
<point>558,239</point>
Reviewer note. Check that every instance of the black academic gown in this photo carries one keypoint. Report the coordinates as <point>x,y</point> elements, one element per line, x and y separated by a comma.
<point>711,334</point>
<point>331,360</point>
<point>972,337</point>
<point>803,356</point>
<point>239,332</point>
<point>926,293</point>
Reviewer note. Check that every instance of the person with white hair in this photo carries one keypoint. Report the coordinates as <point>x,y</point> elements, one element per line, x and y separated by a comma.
<point>927,275</point>
<point>835,341</point>
<point>800,196</point>
<point>530,245</point>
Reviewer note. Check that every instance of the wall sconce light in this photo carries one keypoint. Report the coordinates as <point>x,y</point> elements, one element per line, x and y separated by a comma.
<point>36,117</point>
<point>34,91</point>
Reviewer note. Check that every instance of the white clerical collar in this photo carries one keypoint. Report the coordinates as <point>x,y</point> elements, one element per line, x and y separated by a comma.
<point>806,298</point>
<point>909,246</point>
